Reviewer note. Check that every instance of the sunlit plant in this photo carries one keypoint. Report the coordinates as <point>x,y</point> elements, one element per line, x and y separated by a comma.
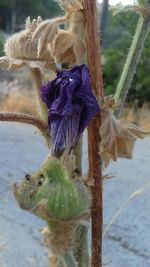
<point>68,104</point>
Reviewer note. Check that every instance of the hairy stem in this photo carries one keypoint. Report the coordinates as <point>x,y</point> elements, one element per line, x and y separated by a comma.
<point>80,243</point>
<point>78,155</point>
<point>141,33</point>
<point>95,172</point>
<point>37,79</point>
<point>67,260</point>
<point>81,246</point>
<point>25,118</point>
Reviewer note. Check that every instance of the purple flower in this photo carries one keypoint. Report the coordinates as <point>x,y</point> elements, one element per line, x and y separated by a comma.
<point>71,106</point>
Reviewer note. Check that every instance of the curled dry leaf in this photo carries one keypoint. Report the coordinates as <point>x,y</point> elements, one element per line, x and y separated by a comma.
<point>48,34</point>
<point>117,137</point>
<point>45,34</point>
<point>68,48</point>
<point>63,41</point>
<point>32,43</point>
<point>44,41</point>
<point>68,45</point>
<point>21,46</point>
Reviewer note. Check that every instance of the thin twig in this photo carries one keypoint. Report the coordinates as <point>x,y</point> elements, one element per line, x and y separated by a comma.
<point>24,118</point>
<point>95,172</point>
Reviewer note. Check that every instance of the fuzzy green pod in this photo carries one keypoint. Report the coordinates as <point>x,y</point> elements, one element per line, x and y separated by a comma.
<point>66,198</point>
<point>52,190</point>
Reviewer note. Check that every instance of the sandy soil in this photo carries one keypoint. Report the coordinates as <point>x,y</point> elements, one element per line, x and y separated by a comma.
<point>126,244</point>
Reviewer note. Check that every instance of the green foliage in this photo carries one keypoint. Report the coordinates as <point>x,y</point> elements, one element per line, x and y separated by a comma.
<point>44,8</point>
<point>119,34</point>
<point>141,2</point>
<point>1,44</point>
<point>20,9</point>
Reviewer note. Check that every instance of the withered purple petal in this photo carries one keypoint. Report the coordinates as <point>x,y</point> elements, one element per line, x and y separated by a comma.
<point>71,106</point>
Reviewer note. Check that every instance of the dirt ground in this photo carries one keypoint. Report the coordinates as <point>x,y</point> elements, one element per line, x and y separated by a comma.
<point>126,244</point>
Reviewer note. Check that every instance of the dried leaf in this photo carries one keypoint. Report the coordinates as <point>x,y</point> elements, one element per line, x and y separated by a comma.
<point>32,42</point>
<point>67,48</point>
<point>46,37</point>
<point>46,32</point>
<point>63,41</point>
<point>68,57</point>
<point>117,137</point>
<point>41,27</point>
<point>79,50</point>
<point>20,46</point>
<point>44,41</point>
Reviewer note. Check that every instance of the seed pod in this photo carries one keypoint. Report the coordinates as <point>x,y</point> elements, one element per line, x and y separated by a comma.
<point>51,194</point>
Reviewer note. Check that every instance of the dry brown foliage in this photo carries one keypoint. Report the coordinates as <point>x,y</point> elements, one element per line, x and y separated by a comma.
<point>117,137</point>
<point>43,43</point>
<point>27,43</point>
<point>68,45</point>
<point>18,103</point>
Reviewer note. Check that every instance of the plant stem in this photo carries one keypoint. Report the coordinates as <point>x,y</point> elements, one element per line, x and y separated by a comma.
<point>141,33</point>
<point>67,260</point>
<point>24,118</point>
<point>81,242</point>
<point>78,155</point>
<point>37,79</point>
<point>81,246</point>
<point>95,172</point>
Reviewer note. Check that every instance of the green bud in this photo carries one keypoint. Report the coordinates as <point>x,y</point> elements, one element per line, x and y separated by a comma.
<point>61,197</point>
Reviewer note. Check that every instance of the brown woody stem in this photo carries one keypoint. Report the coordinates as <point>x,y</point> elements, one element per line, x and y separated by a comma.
<point>24,118</point>
<point>95,172</point>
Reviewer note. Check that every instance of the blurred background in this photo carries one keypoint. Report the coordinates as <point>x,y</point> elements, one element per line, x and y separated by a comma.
<point>127,241</point>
